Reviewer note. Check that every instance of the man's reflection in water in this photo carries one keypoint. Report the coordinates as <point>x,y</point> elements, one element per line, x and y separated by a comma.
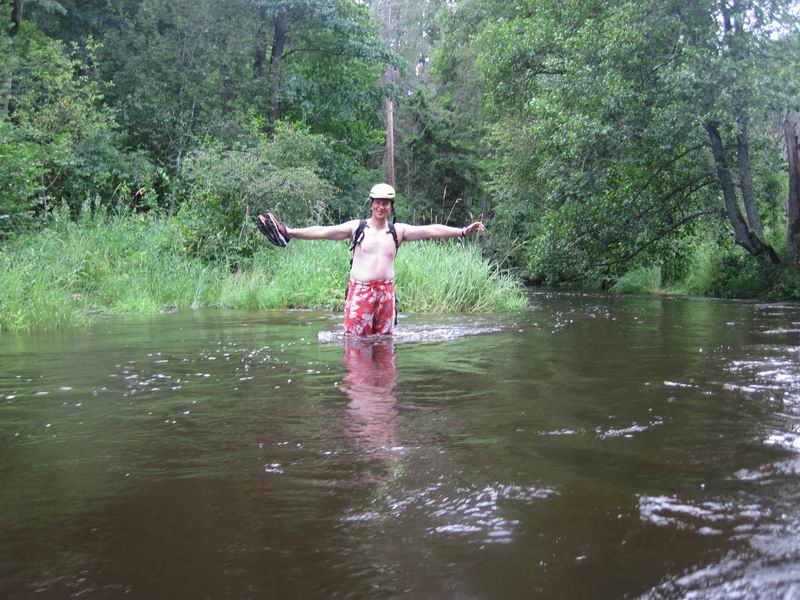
<point>369,385</point>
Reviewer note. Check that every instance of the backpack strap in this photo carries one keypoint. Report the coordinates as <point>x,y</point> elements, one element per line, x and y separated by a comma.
<point>358,235</point>
<point>393,231</point>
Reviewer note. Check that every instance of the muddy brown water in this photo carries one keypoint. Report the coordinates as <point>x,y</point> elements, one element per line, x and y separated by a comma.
<point>592,447</point>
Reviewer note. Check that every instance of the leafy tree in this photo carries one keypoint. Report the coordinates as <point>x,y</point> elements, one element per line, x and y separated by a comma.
<point>617,123</point>
<point>188,72</point>
<point>440,171</point>
<point>59,141</point>
<point>173,65</point>
<point>309,37</point>
<point>332,65</point>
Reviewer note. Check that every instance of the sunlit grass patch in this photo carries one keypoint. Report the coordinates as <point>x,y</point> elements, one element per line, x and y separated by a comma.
<point>309,274</point>
<point>450,277</point>
<point>644,280</point>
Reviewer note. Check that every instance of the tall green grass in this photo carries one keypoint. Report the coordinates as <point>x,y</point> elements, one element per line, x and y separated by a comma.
<point>307,274</point>
<point>451,277</point>
<point>643,280</point>
<point>65,274</point>
<point>429,277</point>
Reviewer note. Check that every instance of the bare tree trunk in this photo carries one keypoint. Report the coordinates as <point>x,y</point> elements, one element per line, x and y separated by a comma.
<point>275,64</point>
<point>389,78</point>
<point>746,177</point>
<point>184,133</point>
<point>726,16</point>
<point>744,236</point>
<point>226,90</point>
<point>389,155</point>
<point>793,153</point>
<point>485,206</point>
<point>7,84</point>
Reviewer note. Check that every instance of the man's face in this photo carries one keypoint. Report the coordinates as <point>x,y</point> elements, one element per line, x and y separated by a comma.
<point>381,207</point>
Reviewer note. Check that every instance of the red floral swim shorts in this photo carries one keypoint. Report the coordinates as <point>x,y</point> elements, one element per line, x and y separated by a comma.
<point>369,308</point>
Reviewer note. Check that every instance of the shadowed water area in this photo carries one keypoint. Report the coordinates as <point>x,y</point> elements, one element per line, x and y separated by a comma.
<point>592,447</point>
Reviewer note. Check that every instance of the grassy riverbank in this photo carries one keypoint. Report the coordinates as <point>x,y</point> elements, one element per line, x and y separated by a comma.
<point>64,275</point>
<point>728,273</point>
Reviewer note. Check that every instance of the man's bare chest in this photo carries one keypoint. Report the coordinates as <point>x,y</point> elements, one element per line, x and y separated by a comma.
<point>378,243</point>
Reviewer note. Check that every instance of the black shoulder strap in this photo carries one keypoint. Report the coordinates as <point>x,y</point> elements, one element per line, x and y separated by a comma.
<point>358,234</point>
<point>393,231</point>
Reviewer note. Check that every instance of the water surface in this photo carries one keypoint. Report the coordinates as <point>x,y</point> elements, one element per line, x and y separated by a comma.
<point>592,447</point>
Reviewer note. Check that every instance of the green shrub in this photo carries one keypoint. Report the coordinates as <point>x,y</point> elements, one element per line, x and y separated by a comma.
<point>727,271</point>
<point>225,188</point>
<point>706,275</point>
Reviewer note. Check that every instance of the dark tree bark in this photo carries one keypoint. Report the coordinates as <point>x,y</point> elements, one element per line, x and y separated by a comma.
<point>793,154</point>
<point>16,22</point>
<point>726,16</point>
<point>275,64</point>
<point>749,233</point>
<point>485,206</point>
<point>746,177</point>
<point>16,18</point>
<point>745,237</point>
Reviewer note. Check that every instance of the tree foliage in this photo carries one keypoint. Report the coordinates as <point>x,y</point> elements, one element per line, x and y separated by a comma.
<point>223,189</point>
<point>439,168</point>
<point>602,111</point>
<point>59,141</point>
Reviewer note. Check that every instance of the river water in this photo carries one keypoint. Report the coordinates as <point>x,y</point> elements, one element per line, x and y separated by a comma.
<point>592,447</point>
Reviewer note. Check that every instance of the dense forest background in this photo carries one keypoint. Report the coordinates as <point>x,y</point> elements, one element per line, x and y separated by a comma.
<point>635,144</point>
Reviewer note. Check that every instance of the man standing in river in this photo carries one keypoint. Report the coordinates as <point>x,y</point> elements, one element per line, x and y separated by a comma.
<point>370,304</point>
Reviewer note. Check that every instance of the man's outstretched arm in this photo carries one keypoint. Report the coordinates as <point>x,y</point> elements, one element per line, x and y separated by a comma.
<point>342,231</point>
<point>411,233</point>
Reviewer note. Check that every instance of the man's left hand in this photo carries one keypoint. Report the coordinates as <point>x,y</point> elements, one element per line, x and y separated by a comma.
<point>473,228</point>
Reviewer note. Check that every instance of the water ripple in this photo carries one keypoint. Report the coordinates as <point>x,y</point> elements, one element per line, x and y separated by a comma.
<point>704,518</point>
<point>777,373</point>
<point>419,333</point>
<point>741,577</point>
<point>626,431</point>
<point>476,512</point>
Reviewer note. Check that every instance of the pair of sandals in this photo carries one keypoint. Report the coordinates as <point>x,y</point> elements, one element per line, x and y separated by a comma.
<point>276,233</point>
